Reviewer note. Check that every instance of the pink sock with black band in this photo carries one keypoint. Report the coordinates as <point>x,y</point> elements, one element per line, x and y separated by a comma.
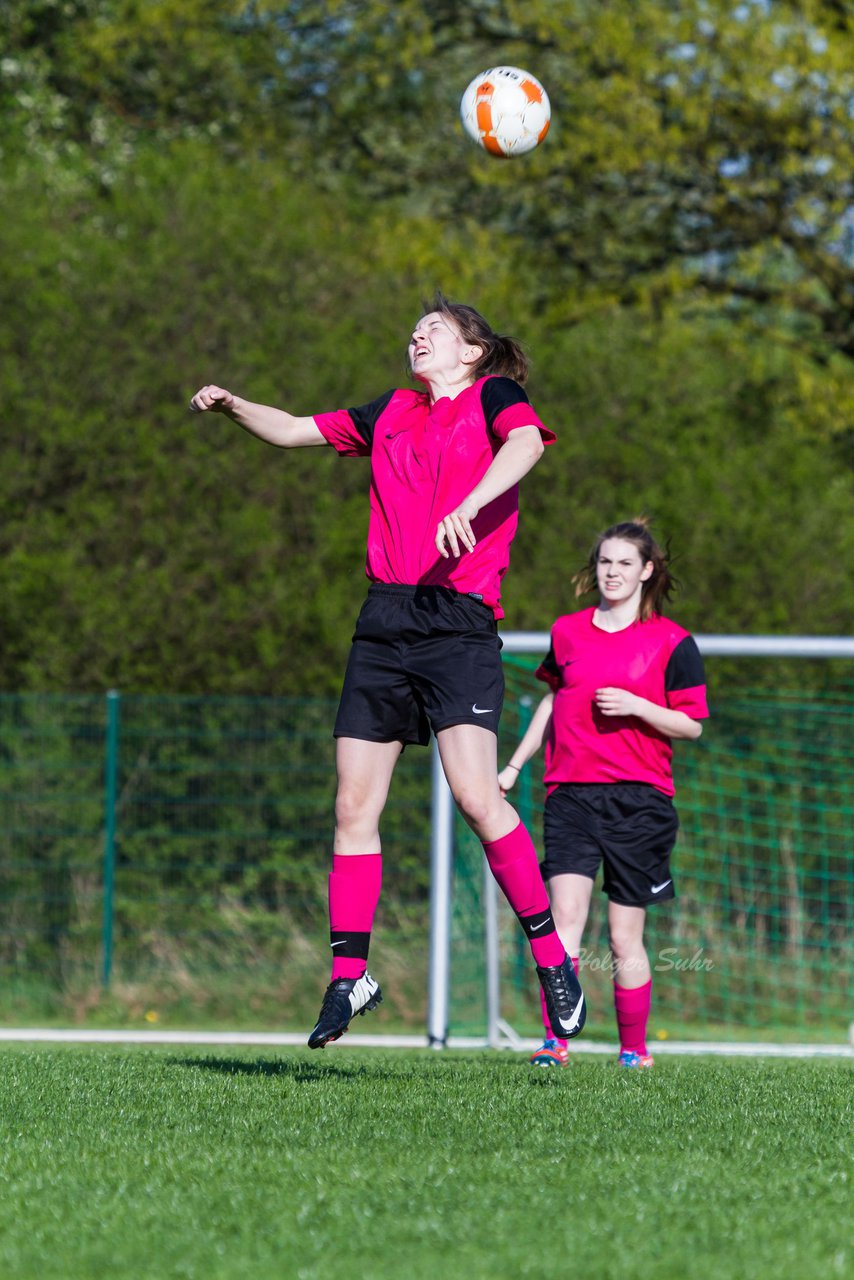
<point>513,862</point>
<point>354,891</point>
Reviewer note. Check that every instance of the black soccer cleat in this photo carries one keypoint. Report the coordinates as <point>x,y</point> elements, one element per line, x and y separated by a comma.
<point>344,998</point>
<point>564,999</point>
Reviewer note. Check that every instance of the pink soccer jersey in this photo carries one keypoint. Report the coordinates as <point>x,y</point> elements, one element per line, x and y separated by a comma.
<point>657,659</point>
<point>425,459</point>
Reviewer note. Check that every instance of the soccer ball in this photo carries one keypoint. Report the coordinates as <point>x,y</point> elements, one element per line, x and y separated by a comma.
<point>506,111</point>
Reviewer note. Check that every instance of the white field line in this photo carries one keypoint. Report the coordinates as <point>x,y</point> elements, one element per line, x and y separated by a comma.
<point>50,1035</point>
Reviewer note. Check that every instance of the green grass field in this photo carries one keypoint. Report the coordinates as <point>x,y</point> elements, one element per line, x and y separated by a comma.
<point>373,1164</point>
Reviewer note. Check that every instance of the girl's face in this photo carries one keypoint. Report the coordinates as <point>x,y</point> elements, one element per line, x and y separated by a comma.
<point>437,349</point>
<point>620,571</point>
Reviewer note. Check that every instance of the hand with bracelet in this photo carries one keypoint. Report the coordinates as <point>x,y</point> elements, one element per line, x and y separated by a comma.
<point>532,741</point>
<point>507,777</point>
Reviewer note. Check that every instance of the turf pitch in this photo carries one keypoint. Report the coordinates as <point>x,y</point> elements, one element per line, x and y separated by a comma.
<point>193,1163</point>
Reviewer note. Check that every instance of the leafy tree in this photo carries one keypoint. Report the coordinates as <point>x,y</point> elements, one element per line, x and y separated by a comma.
<point>155,551</point>
<point>145,547</point>
<point>699,150</point>
<point>260,195</point>
<point>702,147</point>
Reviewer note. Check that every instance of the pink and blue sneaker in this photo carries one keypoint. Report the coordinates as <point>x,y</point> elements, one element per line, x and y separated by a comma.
<point>550,1054</point>
<point>628,1058</point>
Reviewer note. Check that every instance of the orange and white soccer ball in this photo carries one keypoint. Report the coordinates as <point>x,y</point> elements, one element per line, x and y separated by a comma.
<point>506,110</point>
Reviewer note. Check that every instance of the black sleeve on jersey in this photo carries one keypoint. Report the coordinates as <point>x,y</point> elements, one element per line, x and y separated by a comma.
<point>684,668</point>
<point>548,670</point>
<point>497,394</point>
<point>365,418</point>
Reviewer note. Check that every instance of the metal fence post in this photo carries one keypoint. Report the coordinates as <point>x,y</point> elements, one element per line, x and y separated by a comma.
<point>111,774</point>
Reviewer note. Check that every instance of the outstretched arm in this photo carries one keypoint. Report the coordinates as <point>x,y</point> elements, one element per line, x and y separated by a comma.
<point>273,425</point>
<point>675,724</point>
<point>530,743</point>
<point>521,450</point>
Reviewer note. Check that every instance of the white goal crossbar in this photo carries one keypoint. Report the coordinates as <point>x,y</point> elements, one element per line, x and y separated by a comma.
<point>442,837</point>
<point>714,646</point>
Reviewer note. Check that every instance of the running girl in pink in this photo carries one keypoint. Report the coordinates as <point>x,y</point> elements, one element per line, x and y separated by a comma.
<point>623,682</point>
<point>446,461</point>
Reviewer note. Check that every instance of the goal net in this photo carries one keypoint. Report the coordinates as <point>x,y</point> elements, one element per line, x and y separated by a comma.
<point>757,944</point>
<point>191,888</point>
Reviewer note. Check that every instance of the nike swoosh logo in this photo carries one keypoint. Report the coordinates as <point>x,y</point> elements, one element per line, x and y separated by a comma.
<point>480,711</point>
<point>576,1016</point>
<point>339,944</point>
<point>656,888</point>
<point>392,435</point>
<point>535,927</point>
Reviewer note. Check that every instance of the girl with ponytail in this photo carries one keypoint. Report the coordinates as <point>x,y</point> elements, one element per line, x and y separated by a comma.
<point>446,461</point>
<point>624,681</point>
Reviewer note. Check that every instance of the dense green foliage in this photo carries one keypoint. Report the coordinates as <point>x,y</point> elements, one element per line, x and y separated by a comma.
<point>260,195</point>
<point>196,1163</point>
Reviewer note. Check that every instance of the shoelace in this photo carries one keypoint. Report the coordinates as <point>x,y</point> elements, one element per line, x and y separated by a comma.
<point>560,987</point>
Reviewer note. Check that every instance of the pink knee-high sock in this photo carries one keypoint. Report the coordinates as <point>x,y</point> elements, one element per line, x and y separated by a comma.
<point>632,1006</point>
<point>547,1026</point>
<point>354,891</point>
<point>513,862</point>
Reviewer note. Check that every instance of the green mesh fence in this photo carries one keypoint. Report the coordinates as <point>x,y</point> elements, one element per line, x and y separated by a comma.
<point>757,944</point>
<point>165,859</point>
<point>210,904</point>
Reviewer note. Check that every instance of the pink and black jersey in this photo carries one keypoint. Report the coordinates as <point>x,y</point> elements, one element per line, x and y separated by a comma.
<point>656,659</point>
<point>425,459</point>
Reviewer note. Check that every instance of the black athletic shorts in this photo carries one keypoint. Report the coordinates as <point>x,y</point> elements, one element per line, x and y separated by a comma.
<point>422,658</point>
<point>629,826</point>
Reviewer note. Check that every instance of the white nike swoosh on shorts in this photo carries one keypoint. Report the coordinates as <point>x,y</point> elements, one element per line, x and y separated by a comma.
<point>480,711</point>
<point>657,888</point>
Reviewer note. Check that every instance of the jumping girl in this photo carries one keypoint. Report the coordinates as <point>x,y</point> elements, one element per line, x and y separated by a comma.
<point>446,461</point>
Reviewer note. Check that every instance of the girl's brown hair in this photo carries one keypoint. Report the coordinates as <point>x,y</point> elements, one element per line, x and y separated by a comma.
<point>502,355</point>
<point>658,586</point>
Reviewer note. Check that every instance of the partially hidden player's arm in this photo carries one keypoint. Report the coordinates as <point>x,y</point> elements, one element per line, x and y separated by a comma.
<point>675,724</point>
<point>529,744</point>
<point>275,426</point>
<point>522,449</point>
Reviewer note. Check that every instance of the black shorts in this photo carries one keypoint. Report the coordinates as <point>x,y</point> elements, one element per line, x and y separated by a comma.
<point>630,826</point>
<point>422,658</point>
